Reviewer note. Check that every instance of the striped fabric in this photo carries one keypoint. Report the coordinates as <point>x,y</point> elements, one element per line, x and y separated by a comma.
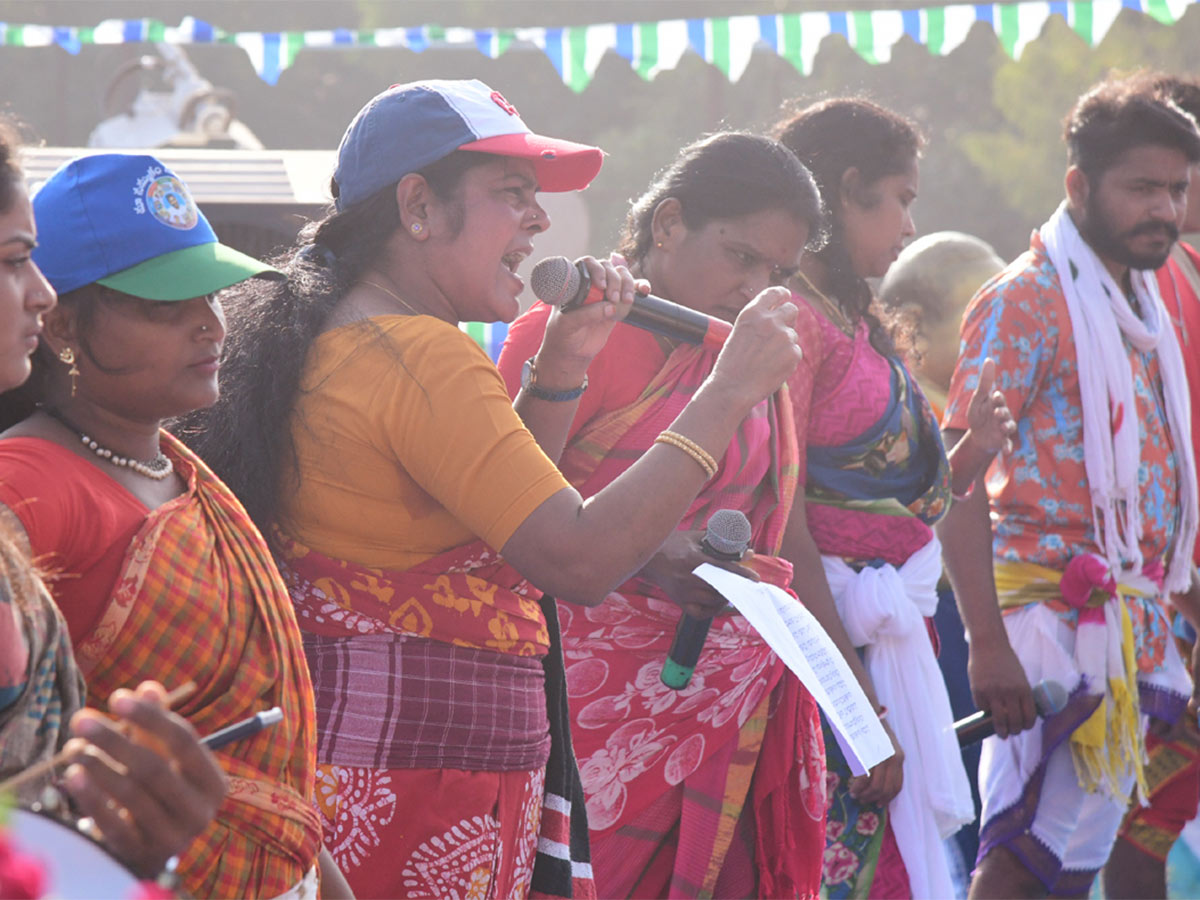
<point>491,707</point>
<point>728,43</point>
<point>759,470</point>
<point>480,609</point>
<point>200,599</point>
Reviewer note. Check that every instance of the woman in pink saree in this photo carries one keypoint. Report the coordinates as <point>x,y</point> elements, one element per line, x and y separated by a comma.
<point>717,789</point>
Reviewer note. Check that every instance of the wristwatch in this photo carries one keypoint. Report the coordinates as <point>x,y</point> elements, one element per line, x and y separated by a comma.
<point>529,383</point>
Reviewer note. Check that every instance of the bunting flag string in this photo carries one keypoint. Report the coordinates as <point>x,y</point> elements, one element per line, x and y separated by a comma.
<point>649,47</point>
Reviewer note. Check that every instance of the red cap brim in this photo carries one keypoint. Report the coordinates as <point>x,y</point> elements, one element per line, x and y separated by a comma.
<point>560,165</point>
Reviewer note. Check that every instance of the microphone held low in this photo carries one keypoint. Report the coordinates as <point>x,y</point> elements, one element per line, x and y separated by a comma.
<point>726,537</point>
<point>559,282</point>
<point>1049,697</point>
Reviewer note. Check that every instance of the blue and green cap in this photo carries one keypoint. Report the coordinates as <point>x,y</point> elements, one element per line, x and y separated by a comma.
<point>128,222</point>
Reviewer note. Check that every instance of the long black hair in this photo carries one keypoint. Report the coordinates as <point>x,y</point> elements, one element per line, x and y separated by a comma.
<point>831,137</point>
<point>10,168</point>
<point>724,176</point>
<point>246,437</point>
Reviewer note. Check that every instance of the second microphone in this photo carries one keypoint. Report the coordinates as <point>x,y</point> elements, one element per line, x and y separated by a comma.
<point>726,537</point>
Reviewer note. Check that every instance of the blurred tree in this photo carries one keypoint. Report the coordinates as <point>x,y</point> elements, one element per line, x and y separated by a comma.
<point>1022,155</point>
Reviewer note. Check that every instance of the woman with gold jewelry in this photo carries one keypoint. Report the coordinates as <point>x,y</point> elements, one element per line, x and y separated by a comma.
<point>148,798</point>
<point>157,569</point>
<point>417,520</point>
<point>875,479</point>
<point>691,793</point>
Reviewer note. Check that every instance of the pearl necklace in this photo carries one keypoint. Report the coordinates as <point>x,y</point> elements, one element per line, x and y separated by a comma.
<point>158,468</point>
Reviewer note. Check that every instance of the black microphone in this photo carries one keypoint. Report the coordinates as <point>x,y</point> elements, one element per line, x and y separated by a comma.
<point>1049,697</point>
<point>559,282</point>
<point>726,536</point>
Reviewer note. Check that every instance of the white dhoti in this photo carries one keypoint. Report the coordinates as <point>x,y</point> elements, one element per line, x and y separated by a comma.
<point>1034,803</point>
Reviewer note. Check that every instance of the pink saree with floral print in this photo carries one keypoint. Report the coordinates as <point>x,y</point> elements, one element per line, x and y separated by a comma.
<point>717,789</point>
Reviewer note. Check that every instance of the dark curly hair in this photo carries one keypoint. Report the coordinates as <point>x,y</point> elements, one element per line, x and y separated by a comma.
<point>831,137</point>
<point>1184,91</point>
<point>246,436</point>
<point>724,176</point>
<point>1119,114</point>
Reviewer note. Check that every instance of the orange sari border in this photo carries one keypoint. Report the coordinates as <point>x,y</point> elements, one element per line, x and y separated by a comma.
<point>199,598</point>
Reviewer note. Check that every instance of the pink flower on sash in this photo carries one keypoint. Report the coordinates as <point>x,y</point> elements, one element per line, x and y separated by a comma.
<point>832,780</point>
<point>1086,584</point>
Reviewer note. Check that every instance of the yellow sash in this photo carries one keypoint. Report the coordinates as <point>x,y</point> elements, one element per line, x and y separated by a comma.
<point>1110,741</point>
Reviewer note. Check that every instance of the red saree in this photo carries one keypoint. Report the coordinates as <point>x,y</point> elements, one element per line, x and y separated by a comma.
<point>199,598</point>
<point>719,789</point>
<point>444,759</point>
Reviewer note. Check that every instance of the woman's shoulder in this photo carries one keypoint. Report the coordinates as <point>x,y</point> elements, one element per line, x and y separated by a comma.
<point>813,327</point>
<point>374,350</point>
<point>52,490</point>
<point>24,455</point>
<point>417,332</point>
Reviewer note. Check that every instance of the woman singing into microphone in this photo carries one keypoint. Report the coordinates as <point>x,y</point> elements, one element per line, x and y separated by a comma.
<point>416,518</point>
<point>701,792</point>
<point>718,790</point>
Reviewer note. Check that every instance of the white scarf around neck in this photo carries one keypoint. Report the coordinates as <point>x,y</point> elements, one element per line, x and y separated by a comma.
<point>1100,315</point>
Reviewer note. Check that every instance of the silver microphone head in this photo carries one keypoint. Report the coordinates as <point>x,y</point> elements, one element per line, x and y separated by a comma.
<point>1049,697</point>
<point>554,280</point>
<point>728,531</point>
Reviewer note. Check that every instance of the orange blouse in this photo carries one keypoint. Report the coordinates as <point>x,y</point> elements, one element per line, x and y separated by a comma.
<point>407,446</point>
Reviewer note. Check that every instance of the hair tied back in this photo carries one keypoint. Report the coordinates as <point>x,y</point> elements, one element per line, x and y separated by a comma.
<point>319,255</point>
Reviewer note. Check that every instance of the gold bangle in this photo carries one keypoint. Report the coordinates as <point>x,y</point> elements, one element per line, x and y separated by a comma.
<point>703,458</point>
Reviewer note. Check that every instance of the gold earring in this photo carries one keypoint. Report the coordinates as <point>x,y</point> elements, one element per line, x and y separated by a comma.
<point>416,227</point>
<point>658,244</point>
<point>67,357</point>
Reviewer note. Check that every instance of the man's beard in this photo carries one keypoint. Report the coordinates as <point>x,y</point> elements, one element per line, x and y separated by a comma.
<point>1110,245</point>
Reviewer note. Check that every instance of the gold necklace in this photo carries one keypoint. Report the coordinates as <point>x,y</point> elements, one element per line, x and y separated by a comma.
<point>836,314</point>
<point>392,294</point>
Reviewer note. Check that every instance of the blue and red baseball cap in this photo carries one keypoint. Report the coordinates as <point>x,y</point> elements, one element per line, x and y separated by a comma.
<point>409,126</point>
<point>129,223</point>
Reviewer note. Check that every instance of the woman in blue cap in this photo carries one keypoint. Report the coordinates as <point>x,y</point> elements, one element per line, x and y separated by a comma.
<point>418,520</point>
<point>158,570</point>
<point>145,807</point>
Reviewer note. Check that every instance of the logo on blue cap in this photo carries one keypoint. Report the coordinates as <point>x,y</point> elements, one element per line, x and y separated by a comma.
<point>128,222</point>
<point>166,198</point>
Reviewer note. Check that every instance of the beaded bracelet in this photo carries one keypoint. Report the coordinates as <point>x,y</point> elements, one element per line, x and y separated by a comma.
<point>702,457</point>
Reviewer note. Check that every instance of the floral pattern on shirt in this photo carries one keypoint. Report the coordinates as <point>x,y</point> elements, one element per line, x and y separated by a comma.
<point>1039,494</point>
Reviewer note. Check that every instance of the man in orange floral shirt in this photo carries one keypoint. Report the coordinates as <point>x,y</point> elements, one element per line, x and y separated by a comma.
<point>1093,517</point>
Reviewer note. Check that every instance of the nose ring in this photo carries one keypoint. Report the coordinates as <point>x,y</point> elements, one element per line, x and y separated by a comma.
<point>203,328</point>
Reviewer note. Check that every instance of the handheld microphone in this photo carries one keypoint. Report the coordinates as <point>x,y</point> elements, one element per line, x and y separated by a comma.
<point>1049,697</point>
<point>726,536</point>
<point>559,282</point>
